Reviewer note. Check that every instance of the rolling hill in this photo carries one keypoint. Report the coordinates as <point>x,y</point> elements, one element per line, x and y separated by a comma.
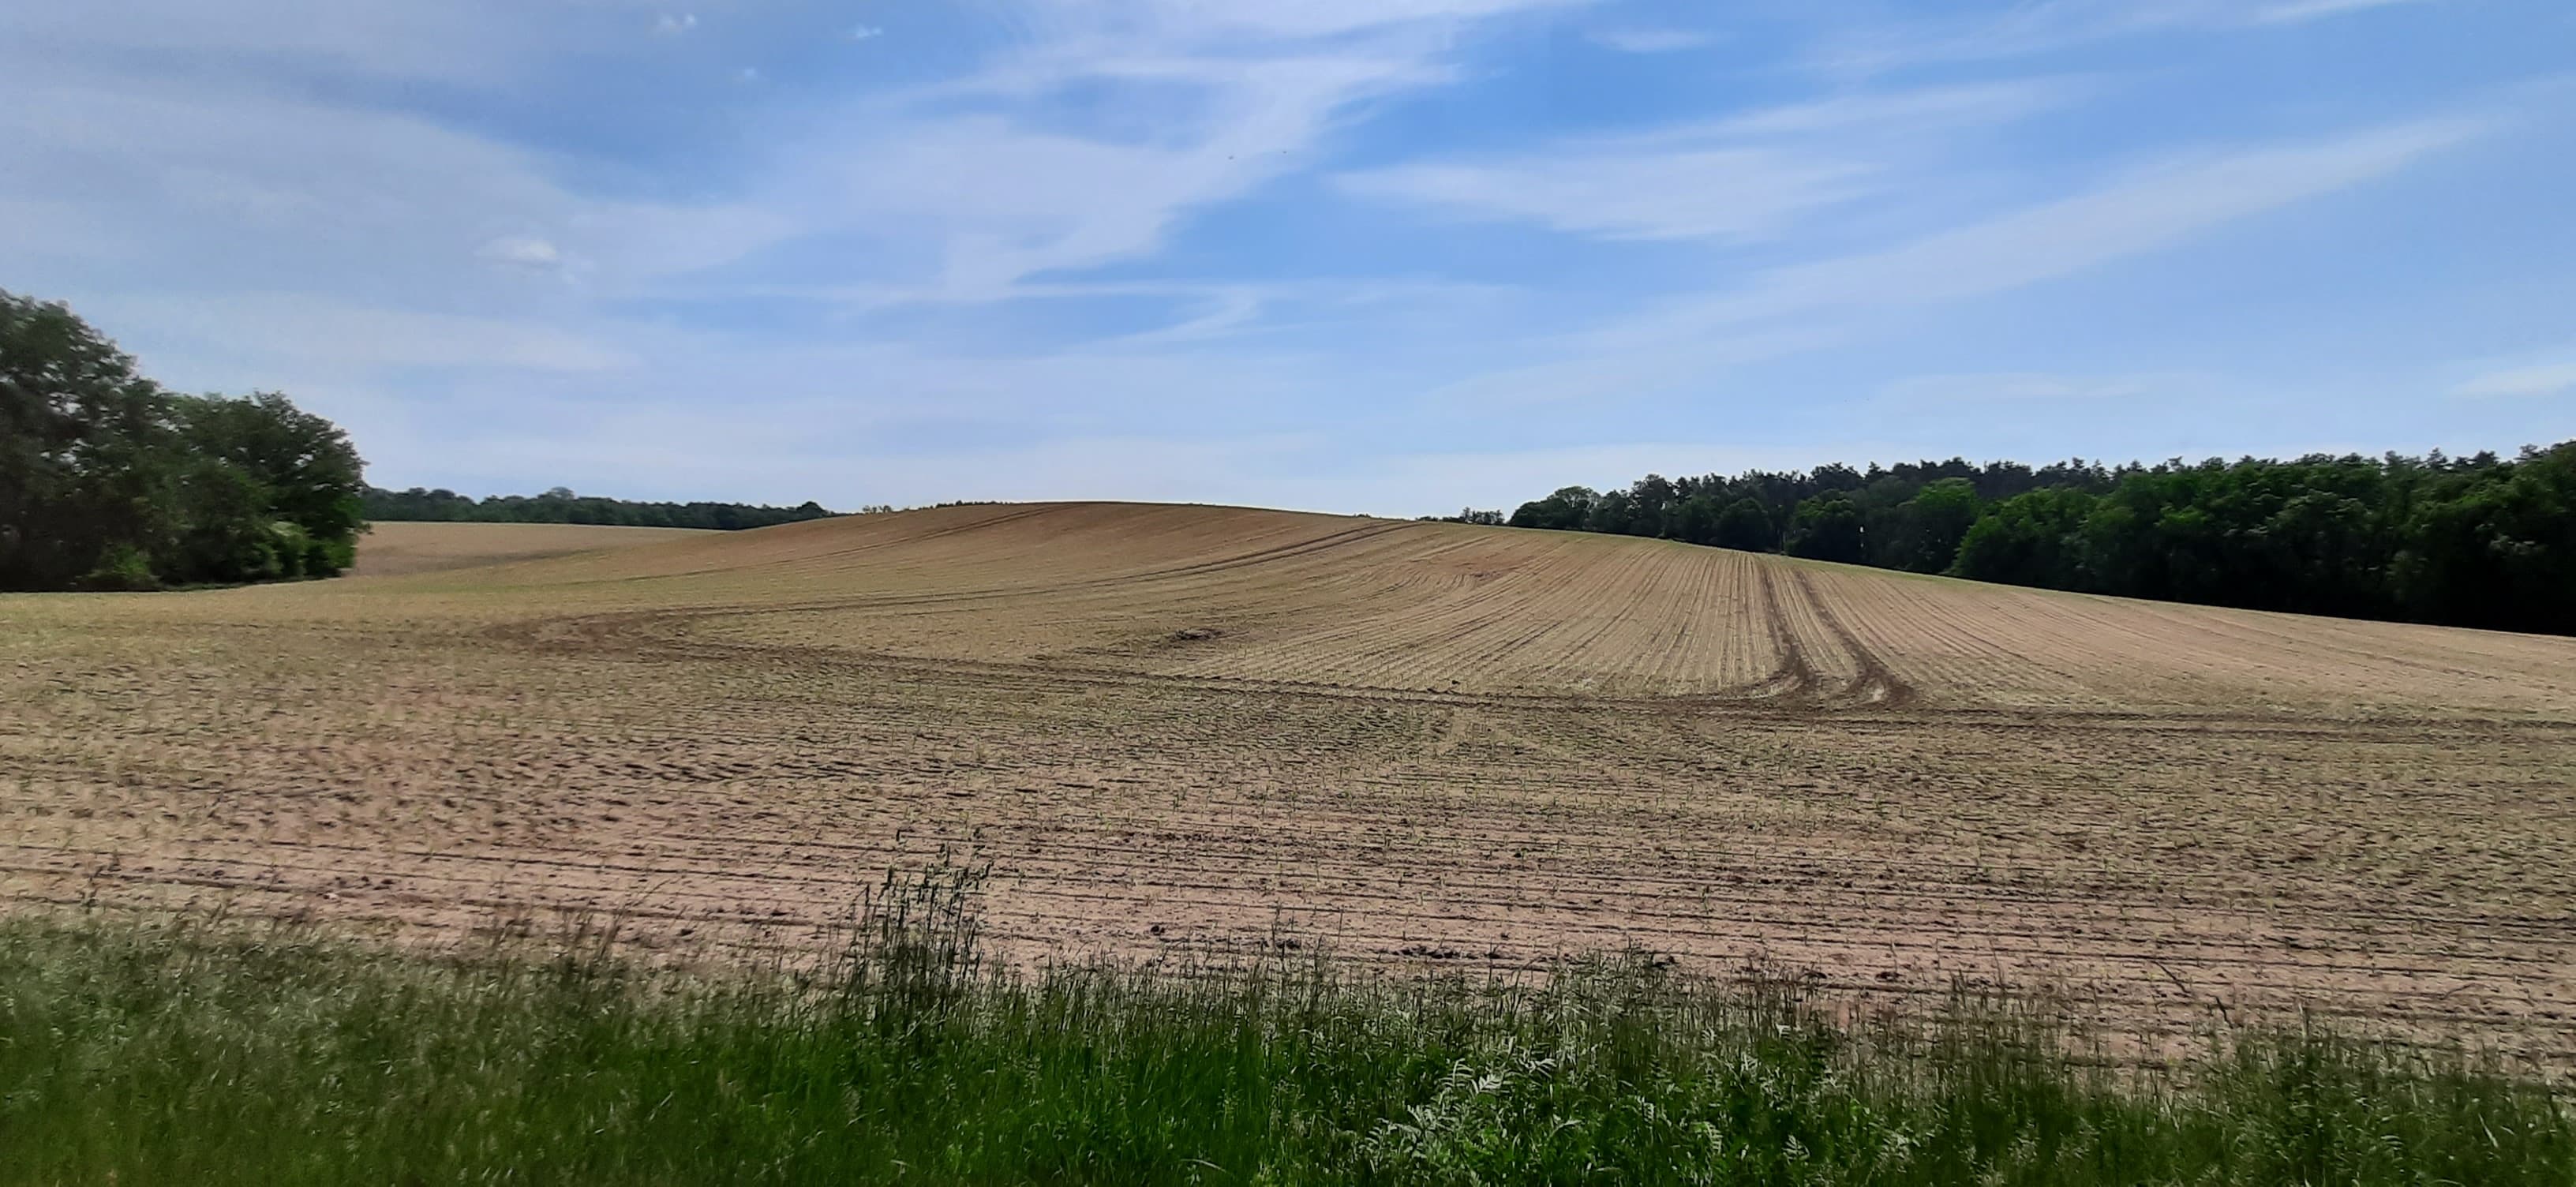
<point>1200,732</point>
<point>1329,601</point>
<point>394,549</point>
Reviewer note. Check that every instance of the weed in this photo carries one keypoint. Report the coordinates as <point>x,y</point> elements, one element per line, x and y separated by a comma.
<point>212,1054</point>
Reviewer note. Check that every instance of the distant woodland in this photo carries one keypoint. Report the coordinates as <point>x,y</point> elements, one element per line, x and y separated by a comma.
<point>563,506</point>
<point>2482,541</point>
<point>109,481</point>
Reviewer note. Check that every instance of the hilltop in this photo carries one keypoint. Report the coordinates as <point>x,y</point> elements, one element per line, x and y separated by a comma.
<point>1286,598</point>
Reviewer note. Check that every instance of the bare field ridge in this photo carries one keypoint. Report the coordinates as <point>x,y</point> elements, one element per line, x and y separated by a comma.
<point>1342,602</point>
<point>394,549</point>
<point>1193,730</point>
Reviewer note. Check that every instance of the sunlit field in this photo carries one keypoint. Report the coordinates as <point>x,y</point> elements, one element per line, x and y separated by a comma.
<point>1322,847</point>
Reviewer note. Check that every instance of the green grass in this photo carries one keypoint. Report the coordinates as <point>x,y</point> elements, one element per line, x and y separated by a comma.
<point>176,1054</point>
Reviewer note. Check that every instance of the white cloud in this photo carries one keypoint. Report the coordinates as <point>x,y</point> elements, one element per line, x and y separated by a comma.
<point>866,32</point>
<point>290,332</point>
<point>1889,115</point>
<point>1711,193</point>
<point>452,40</point>
<point>1736,178</point>
<point>1802,306</point>
<point>2297,11</point>
<point>939,284</point>
<point>1654,41</point>
<point>971,195</point>
<point>2152,208</point>
<point>2539,379</point>
<point>2053,25</point>
<point>279,224</point>
<point>1307,18</point>
<point>2015,387</point>
<point>274,192</point>
<point>1441,483</point>
<point>674,451</point>
<point>526,251</point>
<point>1002,200</point>
<point>62,229</point>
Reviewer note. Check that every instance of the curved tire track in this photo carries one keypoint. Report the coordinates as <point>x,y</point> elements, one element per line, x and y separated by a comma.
<point>1876,686</point>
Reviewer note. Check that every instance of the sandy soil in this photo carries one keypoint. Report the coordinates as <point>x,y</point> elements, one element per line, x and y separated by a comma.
<point>1183,732</point>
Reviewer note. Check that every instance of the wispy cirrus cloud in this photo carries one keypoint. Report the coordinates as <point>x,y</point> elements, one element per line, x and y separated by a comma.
<point>2016,387</point>
<point>2031,30</point>
<point>2296,11</point>
<point>1255,252</point>
<point>958,191</point>
<point>1655,41</point>
<point>1740,177</point>
<point>1725,192</point>
<point>978,182</point>
<point>2152,207</point>
<point>360,249</point>
<point>525,251</point>
<point>461,41</point>
<point>964,180</point>
<point>284,331</point>
<point>254,187</point>
<point>2529,380</point>
<point>1807,305</point>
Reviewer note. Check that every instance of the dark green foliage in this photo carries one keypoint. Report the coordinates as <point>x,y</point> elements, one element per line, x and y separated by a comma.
<point>121,568</point>
<point>1743,525</point>
<point>301,466</point>
<point>2494,545</point>
<point>109,482</point>
<point>1922,534</point>
<point>1827,528</point>
<point>167,1056</point>
<point>2032,539</point>
<point>87,455</point>
<point>1570,509</point>
<point>2483,541</point>
<point>560,505</point>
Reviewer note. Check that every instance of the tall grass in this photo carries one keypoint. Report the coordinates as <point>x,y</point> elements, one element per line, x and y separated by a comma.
<point>172,1054</point>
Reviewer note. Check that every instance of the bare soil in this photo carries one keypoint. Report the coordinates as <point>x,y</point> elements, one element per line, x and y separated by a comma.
<point>1186,732</point>
<point>394,549</point>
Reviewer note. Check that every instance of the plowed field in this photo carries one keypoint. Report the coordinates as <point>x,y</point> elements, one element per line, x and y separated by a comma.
<point>393,549</point>
<point>1190,730</point>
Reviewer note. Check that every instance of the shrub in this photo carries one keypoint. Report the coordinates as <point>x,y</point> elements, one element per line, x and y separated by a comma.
<point>121,567</point>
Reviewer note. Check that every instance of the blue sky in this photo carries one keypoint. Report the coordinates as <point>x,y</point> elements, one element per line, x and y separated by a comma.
<point>1393,256</point>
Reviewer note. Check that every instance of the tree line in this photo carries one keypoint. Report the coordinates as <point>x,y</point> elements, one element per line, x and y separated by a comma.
<point>561,505</point>
<point>110,481</point>
<point>2482,541</point>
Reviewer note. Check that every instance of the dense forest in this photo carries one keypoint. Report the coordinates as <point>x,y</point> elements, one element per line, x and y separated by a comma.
<point>562,506</point>
<point>108,481</point>
<point>2481,541</point>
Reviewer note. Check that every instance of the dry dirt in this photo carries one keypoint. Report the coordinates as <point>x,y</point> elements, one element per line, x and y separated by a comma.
<point>393,549</point>
<point>1183,731</point>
